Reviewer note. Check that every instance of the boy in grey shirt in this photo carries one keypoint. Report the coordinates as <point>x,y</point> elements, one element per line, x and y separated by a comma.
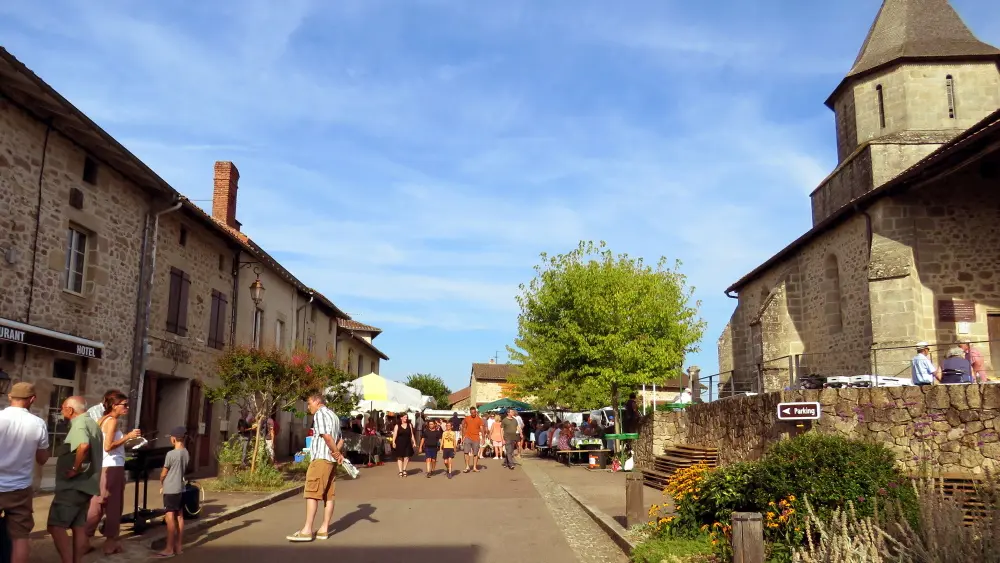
<point>172,486</point>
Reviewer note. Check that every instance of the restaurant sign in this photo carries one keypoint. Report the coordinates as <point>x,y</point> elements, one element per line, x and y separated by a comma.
<point>20,333</point>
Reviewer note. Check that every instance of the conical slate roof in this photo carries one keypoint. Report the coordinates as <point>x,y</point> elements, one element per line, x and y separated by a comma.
<point>915,29</point>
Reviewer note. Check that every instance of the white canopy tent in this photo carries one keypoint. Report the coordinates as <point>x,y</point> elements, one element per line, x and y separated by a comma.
<point>375,392</point>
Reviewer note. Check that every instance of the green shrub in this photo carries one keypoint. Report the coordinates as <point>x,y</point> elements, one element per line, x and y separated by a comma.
<point>673,550</point>
<point>231,452</point>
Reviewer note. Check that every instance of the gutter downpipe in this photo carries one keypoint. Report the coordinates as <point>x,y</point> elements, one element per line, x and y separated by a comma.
<point>138,378</point>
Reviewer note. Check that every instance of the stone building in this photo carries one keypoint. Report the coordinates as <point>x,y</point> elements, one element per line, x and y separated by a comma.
<point>290,315</point>
<point>459,400</point>
<point>490,382</point>
<point>904,241</point>
<point>355,351</point>
<point>75,209</point>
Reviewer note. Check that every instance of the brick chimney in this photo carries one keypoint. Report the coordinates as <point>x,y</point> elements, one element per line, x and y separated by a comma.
<point>227,179</point>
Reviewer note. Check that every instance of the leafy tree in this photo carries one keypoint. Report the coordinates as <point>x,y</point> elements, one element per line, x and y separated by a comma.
<point>593,324</point>
<point>263,381</point>
<point>431,385</point>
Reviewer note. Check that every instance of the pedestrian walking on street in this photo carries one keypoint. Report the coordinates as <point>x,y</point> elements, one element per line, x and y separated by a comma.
<point>403,443</point>
<point>24,441</point>
<point>109,503</point>
<point>324,455</point>
<point>78,479</point>
<point>512,435</point>
<point>175,465</point>
<point>448,441</point>
<point>473,434</point>
<point>495,432</point>
<point>430,441</point>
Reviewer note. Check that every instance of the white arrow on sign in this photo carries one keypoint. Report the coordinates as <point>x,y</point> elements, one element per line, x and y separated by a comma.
<point>799,411</point>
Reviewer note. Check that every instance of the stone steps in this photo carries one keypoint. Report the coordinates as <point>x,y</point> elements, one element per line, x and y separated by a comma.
<point>676,458</point>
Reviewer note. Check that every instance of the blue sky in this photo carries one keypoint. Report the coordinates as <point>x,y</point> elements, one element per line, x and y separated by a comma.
<point>411,159</point>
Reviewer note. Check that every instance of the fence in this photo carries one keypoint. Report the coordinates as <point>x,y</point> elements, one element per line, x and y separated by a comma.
<point>801,370</point>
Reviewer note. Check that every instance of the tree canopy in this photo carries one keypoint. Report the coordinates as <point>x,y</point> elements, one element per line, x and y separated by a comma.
<point>431,385</point>
<point>593,323</point>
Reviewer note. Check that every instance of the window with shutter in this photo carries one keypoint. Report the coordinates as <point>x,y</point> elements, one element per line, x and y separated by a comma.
<point>174,300</point>
<point>213,323</point>
<point>220,326</point>
<point>182,309</point>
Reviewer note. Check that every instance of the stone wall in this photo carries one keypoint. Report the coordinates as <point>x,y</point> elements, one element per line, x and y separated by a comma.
<point>111,216</point>
<point>953,427</point>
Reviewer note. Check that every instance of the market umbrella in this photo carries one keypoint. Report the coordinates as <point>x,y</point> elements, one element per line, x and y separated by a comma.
<point>504,404</point>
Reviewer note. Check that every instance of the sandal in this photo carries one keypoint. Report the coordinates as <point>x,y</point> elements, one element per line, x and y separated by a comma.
<point>400,474</point>
<point>298,536</point>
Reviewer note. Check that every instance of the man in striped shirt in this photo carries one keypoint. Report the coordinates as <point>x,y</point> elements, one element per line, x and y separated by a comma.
<point>324,455</point>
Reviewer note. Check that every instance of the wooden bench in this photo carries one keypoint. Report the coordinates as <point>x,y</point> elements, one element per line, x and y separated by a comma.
<point>569,454</point>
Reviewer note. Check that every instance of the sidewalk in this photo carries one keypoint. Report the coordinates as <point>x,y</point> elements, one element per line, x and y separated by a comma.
<point>42,549</point>
<point>601,489</point>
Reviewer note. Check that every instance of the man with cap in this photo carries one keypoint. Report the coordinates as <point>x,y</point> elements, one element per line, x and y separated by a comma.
<point>923,370</point>
<point>975,358</point>
<point>24,441</point>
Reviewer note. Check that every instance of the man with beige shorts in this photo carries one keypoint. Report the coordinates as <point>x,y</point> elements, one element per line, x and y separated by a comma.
<point>324,456</point>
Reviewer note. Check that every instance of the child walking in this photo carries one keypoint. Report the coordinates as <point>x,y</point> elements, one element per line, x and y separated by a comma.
<point>448,447</point>
<point>172,486</point>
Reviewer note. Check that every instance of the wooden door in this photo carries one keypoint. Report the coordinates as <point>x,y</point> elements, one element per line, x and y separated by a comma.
<point>148,418</point>
<point>993,324</point>
<point>193,417</point>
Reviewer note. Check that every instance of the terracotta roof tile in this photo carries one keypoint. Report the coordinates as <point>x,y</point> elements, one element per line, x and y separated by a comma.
<point>350,324</point>
<point>460,395</point>
<point>493,372</point>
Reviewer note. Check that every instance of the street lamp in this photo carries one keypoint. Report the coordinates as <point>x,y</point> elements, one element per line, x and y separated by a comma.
<point>257,289</point>
<point>4,382</point>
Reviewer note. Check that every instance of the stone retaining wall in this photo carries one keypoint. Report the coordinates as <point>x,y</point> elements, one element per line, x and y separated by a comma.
<point>953,427</point>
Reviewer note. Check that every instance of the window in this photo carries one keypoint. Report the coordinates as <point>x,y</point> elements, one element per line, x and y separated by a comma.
<point>184,236</point>
<point>217,324</point>
<point>76,260</point>
<point>950,87</point>
<point>279,334</point>
<point>64,386</point>
<point>90,170</point>
<point>258,318</point>
<point>177,307</point>
<point>312,315</point>
<point>372,367</point>
<point>222,262</point>
<point>10,352</point>
<point>361,362</point>
<point>330,327</point>
<point>881,106</point>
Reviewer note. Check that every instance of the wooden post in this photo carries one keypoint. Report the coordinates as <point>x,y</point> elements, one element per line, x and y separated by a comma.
<point>748,537</point>
<point>635,507</point>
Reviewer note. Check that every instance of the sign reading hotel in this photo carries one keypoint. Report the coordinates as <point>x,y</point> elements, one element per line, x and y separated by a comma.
<point>798,411</point>
<point>18,333</point>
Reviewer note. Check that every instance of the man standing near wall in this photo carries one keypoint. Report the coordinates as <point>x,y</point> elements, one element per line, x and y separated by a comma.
<point>975,358</point>
<point>923,370</point>
<point>24,441</point>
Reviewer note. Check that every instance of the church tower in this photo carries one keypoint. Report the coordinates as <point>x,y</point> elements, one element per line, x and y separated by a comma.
<point>920,79</point>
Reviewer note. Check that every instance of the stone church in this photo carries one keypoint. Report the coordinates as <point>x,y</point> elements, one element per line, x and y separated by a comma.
<point>905,238</point>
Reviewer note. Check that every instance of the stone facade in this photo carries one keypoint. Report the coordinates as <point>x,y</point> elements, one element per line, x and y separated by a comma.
<point>856,293</point>
<point>40,168</point>
<point>953,428</point>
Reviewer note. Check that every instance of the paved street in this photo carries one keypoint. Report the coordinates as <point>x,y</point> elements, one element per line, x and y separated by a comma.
<point>496,515</point>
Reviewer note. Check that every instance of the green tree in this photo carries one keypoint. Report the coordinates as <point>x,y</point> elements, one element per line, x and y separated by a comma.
<point>593,324</point>
<point>431,385</point>
<point>264,381</point>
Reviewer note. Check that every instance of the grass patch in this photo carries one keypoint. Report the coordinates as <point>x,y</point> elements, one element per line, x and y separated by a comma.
<point>673,550</point>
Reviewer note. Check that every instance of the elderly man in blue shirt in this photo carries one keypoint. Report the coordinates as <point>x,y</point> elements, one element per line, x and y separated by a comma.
<point>923,369</point>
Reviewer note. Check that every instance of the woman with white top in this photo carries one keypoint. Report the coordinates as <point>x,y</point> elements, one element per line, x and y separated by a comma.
<point>110,502</point>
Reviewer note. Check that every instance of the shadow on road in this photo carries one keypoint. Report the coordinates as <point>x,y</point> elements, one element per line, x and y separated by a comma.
<point>308,553</point>
<point>363,512</point>
<point>219,532</point>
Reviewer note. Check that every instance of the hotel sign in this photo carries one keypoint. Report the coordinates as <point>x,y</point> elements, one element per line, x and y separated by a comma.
<point>28,335</point>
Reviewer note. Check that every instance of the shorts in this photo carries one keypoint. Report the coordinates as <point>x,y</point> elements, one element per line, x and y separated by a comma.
<point>18,510</point>
<point>531,437</point>
<point>470,446</point>
<point>431,453</point>
<point>320,477</point>
<point>498,444</point>
<point>173,502</point>
<point>69,509</point>
<point>448,453</point>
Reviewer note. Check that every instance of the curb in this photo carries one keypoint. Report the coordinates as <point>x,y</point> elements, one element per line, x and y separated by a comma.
<point>615,530</point>
<point>157,540</point>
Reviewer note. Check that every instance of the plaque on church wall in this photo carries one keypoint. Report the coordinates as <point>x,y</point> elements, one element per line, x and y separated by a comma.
<point>956,311</point>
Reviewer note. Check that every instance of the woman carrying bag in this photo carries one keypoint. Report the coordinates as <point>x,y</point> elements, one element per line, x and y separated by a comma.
<point>403,443</point>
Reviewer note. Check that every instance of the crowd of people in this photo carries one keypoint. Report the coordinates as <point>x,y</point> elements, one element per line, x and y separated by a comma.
<point>90,474</point>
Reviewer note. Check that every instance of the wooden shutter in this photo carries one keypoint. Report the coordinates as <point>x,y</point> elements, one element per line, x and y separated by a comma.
<point>182,306</point>
<point>173,301</point>
<point>213,323</point>
<point>220,323</point>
